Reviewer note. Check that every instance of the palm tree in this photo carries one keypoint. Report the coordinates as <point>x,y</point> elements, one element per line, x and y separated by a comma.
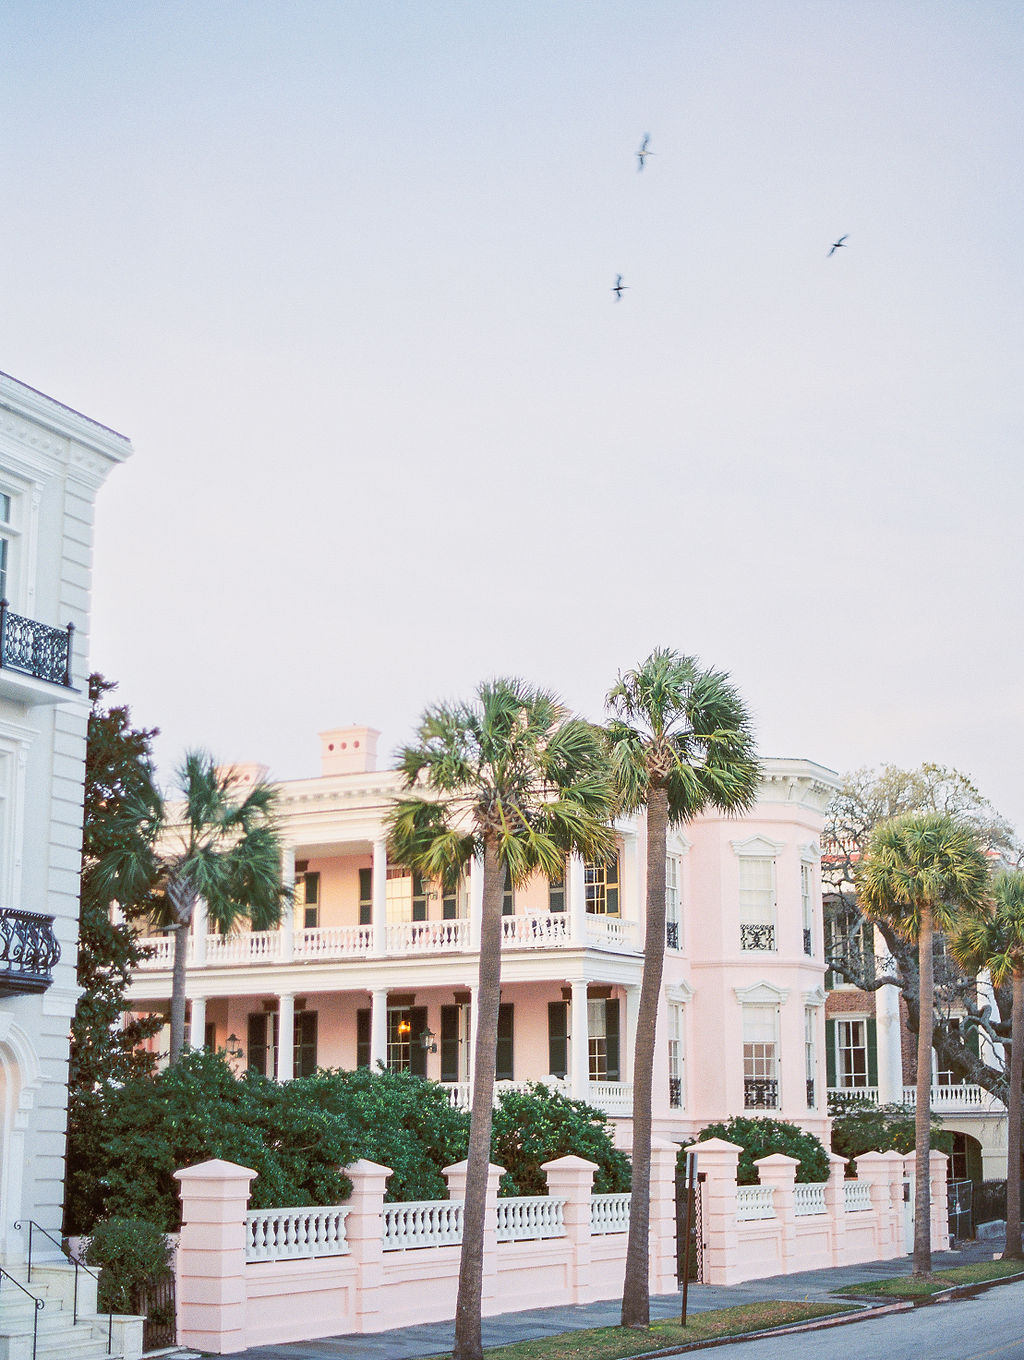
<point>994,939</point>
<point>513,779</point>
<point>217,844</point>
<point>918,871</point>
<point>681,742</point>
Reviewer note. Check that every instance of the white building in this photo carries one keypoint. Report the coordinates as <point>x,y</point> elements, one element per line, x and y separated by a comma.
<point>53,461</point>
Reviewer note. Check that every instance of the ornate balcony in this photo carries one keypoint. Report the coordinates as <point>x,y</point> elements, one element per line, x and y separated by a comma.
<point>757,937</point>
<point>35,649</point>
<point>672,934</point>
<point>760,1093</point>
<point>28,951</point>
<point>808,945</point>
<point>810,1093</point>
<point>675,1093</point>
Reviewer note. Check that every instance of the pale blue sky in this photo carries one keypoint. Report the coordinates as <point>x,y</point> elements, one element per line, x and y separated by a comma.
<point>343,272</point>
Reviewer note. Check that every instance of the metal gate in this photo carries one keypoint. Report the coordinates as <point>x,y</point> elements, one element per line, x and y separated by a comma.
<point>960,1201</point>
<point>155,1301</point>
<point>696,1227</point>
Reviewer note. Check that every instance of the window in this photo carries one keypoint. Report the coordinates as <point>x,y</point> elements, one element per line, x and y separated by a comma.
<point>854,946</point>
<point>262,1055</point>
<point>757,902</point>
<point>405,1051</point>
<point>760,1058</point>
<point>807,906</point>
<point>455,1038</point>
<point>307,894</point>
<point>810,1055</point>
<point>603,1040</point>
<point>419,898</point>
<point>399,895</point>
<point>602,887</point>
<point>558,1038</point>
<point>672,902</point>
<point>264,1028</point>
<point>508,900</point>
<point>365,897</point>
<point>304,1057</point>
<point>851,1054</point>
<point>504,1066</point>
<point>676,1055</point>
<point>556,894</point>
<point>6,529</point>
<point>454,900</point>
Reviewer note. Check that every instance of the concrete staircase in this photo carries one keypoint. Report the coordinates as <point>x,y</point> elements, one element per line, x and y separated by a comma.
<point>57,1335</point>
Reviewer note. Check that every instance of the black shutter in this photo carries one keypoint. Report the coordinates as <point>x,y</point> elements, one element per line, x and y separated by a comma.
<point>508,901</point>
<point>450,1066</point>
<point>311,895</point>
<point>362,1038</point>
<point>611,1040</point>
<point>556,894</point>
<point>365,899</point>
<point>611,892</point>
<point>257,1056</point>
<point>304,1055</point>
<point>504,1054</point>
<point>419,899</point>
<point>417,1053</point>
<point>830,1053</point>
<point>210,1036</point>
<point>450,904</point>
<point>558,1038</point>
<point>871,1039</point>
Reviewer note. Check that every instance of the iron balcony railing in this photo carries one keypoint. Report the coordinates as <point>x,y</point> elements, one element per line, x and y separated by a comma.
<point>675,1093</point>
<point>810,1093</point>
<point>760,936</point>
<point>672,934</point>
<point>34,648</point>
<point>28,951</point>
<point>760,1093</point>
<point>808,945</point>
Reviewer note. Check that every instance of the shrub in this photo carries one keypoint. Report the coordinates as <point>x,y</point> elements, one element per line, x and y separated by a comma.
<point>761,1138</point>
<point>130,1253</point>
<point>536,1125</point>
<point>860,1126</point>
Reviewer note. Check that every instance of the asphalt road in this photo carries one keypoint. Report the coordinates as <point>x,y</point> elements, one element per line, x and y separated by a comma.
<point>988,1327</point>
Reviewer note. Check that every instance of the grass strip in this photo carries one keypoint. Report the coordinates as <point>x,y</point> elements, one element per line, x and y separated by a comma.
<point>912,1287</point>
<point>613,1343</point>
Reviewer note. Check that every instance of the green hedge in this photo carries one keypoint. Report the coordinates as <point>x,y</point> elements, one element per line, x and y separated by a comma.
<point>761,1138</point>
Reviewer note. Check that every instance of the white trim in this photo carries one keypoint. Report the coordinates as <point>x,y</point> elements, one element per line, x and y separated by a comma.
<point>809,852</point>
<point>680,992</point>
<point>815,997</point>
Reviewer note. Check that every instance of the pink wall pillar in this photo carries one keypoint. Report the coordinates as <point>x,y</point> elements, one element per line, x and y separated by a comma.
<point>456,1178</point>
<point>210,1263</point>
<point>663,1278</point>
<point>884,1173</point>
<point>365,1242</point>
<point>779,1171</point>
<point>940,1210</point>
<point>718,1160</point>
<point>572,1179</point>
<point>835,1203</point>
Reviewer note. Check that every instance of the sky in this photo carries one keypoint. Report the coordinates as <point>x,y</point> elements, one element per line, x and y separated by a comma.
<point>343,272</point>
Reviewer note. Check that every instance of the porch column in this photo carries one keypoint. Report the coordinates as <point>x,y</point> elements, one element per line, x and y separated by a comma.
<point>285,1036</point>
<point>890,1055</point>
<point>579,1072</point>
<point>379,1029</point>
<point>476,908</point>
<point>576,888</point>
<point>197,1023</point>
<point>380,896</point>
<point>627,1049</point>
<point>287,927</point>
<point>474,1013</point>
<point>200,928</point>
<point>629,881</point>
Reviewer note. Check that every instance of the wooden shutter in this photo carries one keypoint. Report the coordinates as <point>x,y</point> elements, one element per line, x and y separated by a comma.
<point>503,1058</point>
<point>210,1036</point>
<point>311,895</point>
<point>556,894</point>
<point>362,1038</point>
<point>611,890</point>
<point>419,898</point>
<point>257,1056</point>
<point>871,1039</point>
<point>451,1068</point>
<point>611,1039</point>
<point>417,1053</point>
<point>304,1049</point>
<point>365,898</point>
<point>830,1053</point>
<point>508,900</point>
<point>558,1038</point>
<point>450,905</point>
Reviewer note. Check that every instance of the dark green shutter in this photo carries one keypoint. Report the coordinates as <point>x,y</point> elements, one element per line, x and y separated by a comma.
<point>611,893</point>
<point>257,1056</point>
<point>362,1038</point>
<point>871,1033</point>
<point>419,899</point>
<point>210,1035</point>
<point>611,1041</point>
<point>365,898</point>
<point>417,1053</point>
<point>556,894</point>
<point>450,904</point>
<point>558,1038</point>
<point>311,897</point>
<point>503,1057</point>
<point>508,901</point>
<point>971,1039</point>
<point>304,1053</point>
<point>450,1043</point>
<point>830,1053</point>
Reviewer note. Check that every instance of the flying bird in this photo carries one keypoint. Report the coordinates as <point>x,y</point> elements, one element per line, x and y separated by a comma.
<point>643,153</point>
<point>836,244</point>
<point>619,288</point>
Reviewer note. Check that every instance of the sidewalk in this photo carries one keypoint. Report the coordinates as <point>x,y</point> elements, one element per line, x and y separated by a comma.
<point>406,1343</point>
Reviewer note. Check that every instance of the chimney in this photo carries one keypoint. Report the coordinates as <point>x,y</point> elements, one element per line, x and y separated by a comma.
<point>348,750</point>
<point>244,777</point>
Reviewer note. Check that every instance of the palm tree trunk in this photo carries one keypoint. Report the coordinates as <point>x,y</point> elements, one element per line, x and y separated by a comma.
<point>923,1114</point>
<point>1013,1121</point>
<point>178,991</point>
<point>468,1338</point>
<point>636,1302</point>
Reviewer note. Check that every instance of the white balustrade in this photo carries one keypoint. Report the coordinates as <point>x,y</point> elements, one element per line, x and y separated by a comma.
<point>334,942</point>
<point>809,1199</point>
<point>611,932</point>
<point>425,937</point>
<point>609,1213</point>
<point>284,1234</point>
<point>614,1097</point>
<point>422,1223</point>
<point>859,1092</point>
<point>459,1094</point>
<point>527,1218</point>
<point>966,1097</point>
<point>754,1201</point>
<point>856,1196</point>
<point>160,952</point>
<point>535,930</point>
<point>243,946</point>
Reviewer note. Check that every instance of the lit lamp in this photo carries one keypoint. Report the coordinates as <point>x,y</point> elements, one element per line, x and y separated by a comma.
<point>404,1027</point>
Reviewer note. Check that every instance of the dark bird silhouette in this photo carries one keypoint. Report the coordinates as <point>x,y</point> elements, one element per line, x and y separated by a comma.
<point>836,244</point>
<point>619,288</point>
<point>643,153</point>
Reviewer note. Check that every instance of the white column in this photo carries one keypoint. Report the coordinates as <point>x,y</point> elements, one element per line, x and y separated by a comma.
<point>287,928</point>
<point>379,1028</point>
<point>630,895</point>
<point>576,892</point>
<point>476,906</point>
<point>887,1029</point>
<point>628,1042</point>
<point>197,1023</point>
<point>474,1016</point>
<point>380,895</point>
<point>579,1046</point>
<point>200,928</point>
<point>285,1036</point>
<point>993,1054</point>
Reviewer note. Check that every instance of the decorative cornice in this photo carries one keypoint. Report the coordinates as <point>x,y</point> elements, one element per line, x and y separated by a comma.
<point>800,782</point>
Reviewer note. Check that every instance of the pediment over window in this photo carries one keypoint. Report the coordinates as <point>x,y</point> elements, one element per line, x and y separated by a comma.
<point>815,997</point>
<point>762,994</point>
<point>810,852</point>
<point>680,992</point>
<point>759,846</point>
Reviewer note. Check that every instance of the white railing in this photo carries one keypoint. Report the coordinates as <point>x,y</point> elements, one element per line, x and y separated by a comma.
<point>284,1234</point>
<point>422,1223</point>
<point>425,937</point>
<point>161,952</point>
<point>609,1213</point>
<point>536,930</point>
<point>614,1097</point>
<point>861,1092</point>
<point>754,1201</point>
<point>809,1199</point>
<point>966,1097</point>
<point>460,1094</point>
<point>527,1218</point>
<point>856,1196</point>
<point>243,946</point>
<point>611,932</point>
<point>334,942</point>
